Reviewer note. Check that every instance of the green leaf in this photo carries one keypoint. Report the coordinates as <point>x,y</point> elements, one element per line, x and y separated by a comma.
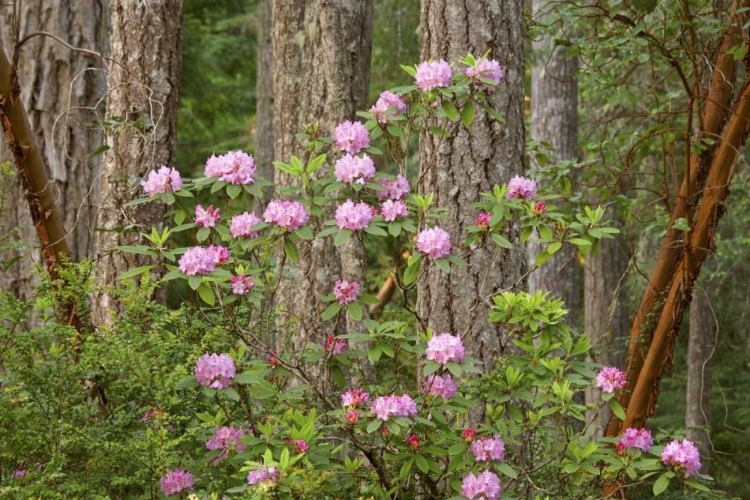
<point>494,114</point>
<point>134,272</point>
<point>450,111</point>
<point>304,233</point>
<point>507,470</point>
<point>202,234</point>
<point>231,394</point>
<point>554,247</point>
<point>187,383</point>
<point>195,282</point>
<point>206,294</point>
<point>394,228</point>
<point>412,272</point>
<point>422,463</point>
<point>291,250</point>
<point>443,265</point>
<point>337,374</point>
<point>617,409</point>
<point>331,311</point>
<point>234,190</point>
<point>661,484</point>
<point>375,230</point>
<point>409,69</point>
<point>468,113</point>
<point>395,130</point>
<point>374,353</point>
<point>355,310</point>
<point>500,241</point>
<point>696,485</point>
<point>341,237</point>
<point>373,426</point>
<point>316,163</point>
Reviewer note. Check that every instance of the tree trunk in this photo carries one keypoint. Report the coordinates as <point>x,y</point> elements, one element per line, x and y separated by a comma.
<point>321,74</point>
<point>470,163</point>
<point>264,92</point>
<point>554,119</point>
<point>146,45</point>
<point>60,91</point>
<point>703,331</point>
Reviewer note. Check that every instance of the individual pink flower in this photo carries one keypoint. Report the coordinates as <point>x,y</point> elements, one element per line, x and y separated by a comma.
<point>354,397</point>
<point>215,370</point>
<point>351,137</point>
<point>636,438</point>
<point>241,224</point>
<point>385,407</point>
<point>206,217</point>
<point>301,446</point>
<point>468,434</point>
<point>354,169</point>
<point>334,345</point>
<point>483,221</point>
<point>176,481</point>
<point>433,74</point>
<point>539,207</point>
<point>391,210</point>
<point>241,284</point>
<point>264,475</point>
<point>413,442</point>
<point>235,167</point>
<point>388,105</point>
<point>682,455</point>
<point>351,417</point>
<point>346,292</point>
<point>220,253</point>
<point>226,439</point>
<point>521,187</point>
<point>441,385</point>
<point>610,378</point>
<point>197,260</point>
<point>353,216</point>
<point>288,214</point>
<point>445,348</point>
<point>162,180</point>
<point>395,189</point>
<point>435,242</point>
<point>486,449</point>
<point>485,486</point>
<point>489,69</point>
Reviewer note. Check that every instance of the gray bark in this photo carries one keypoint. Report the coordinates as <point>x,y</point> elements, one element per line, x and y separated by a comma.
<point>554,119</point>
<point>321,59</point>
<point>458,168</point>
<point>264,143</point>
<point>61,89</point>
<point>143,81</point>
<point>701,342</point>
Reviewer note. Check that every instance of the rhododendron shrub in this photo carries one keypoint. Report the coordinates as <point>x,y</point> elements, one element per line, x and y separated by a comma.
<point>395,408</point>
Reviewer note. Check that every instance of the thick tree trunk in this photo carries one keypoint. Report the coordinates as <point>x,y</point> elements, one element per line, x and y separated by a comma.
<point>554,119</point>
<point>703,331</point>
<point>458,168</point>
<point>146,46</point>
<point>264,92</point>
<point>60,89</point>
<point>321,74</point>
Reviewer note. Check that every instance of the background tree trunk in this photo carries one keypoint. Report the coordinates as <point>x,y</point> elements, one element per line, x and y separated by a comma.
<point>321,59</point>
<point>146,45</point>
<point>60,91</point>
<point>472,163</point>
<point>264,143</point>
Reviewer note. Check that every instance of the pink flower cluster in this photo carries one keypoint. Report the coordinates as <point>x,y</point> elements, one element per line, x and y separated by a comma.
<point>433,74</point>
<point>226,439</point>
<point>636,438</point>
<point>486,449</point>
<point>351,137</point>
<point>354,216</point>
<point>485,486</point>
<point>266,474</point>
<point>386,407</point>
<point>388,105</point>
<point>444,348</point>
<point>391,210</point>
<point>395,189</point>
<point>215,370</point>
<point>521,187</point>
<point>683,455</point>
<point>610,378</point>
<point>354,169</point>
<point>241,224</point>
<point>288,214</point>
<point>435,242</point>
<point>241,284</point>
<point>334,345</point>
<point>162,180</point>
<point>206,217</point>
<point>441,385</point>
<point>346,292</point>
<point>176,481</point>
<point>235,167</point>
<point>220,253</point>
<point>354,397</point>
<point>488,69</point>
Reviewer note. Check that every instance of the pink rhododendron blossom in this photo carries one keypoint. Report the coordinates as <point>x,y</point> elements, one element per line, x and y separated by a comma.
<point>353,216</point>
<point>488,69</point>
<point>273,358</point>
<point>334,345</point>
<point>683,455</point>
<point>432,74</point>
<point>469,434</point>
<point>352,417</point>
<point>444,348</point>
<point>241,284</point>
<point>18,473</point>
<point>354,169</point>
<point>413,442</point>
<point>443,386</point>
<point>162,180</point>
<point>521,187</point>
<point>483,220</point>
<point>206,217</point>
<point>435,242</point>
<point>346,292</point>
<point>539,207</point>
<point>215,370</point>
<point>386,407</point>
<point>395,189</point>
<point>354,397</point>
<point>235,167</point>
<point>388,105</point>
<point>288,214</point>
<point>301,446</point>
<point>391,210</point>
<point>176,481</point>
<point>241,224</point>
<point>610,378</point>
<point>636,438</point>
<point>220,253</point>
<point>266,474</point>
<point>486,449</point>
<point>226,439</point>
<point>197,260</point>
<point>485,486</point>
<point>351,137</point>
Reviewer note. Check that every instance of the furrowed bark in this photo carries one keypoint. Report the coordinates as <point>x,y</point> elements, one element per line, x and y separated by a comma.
<point>264,89</point>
